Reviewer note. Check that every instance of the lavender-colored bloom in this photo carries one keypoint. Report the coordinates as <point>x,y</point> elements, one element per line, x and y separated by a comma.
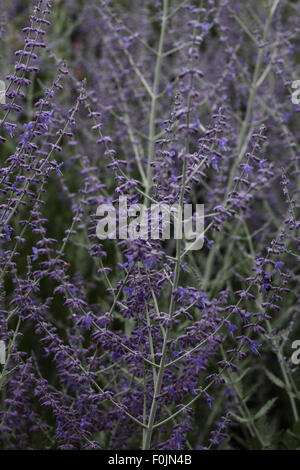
<point>134,343</point>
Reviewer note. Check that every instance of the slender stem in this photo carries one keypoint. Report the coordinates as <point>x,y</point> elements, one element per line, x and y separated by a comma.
<point>159,379</point>
<point>244,133</point>
<point>154,100</point>
<point>278,353</point>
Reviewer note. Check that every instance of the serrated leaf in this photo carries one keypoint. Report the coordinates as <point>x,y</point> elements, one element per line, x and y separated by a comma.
<point>266,408</point>
<point>275,380</point>
<point>243,374</point>
<point>250,393</point>
<point>239,419</point>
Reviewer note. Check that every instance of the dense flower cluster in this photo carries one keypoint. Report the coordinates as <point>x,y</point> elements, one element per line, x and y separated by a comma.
<point>143,344</point>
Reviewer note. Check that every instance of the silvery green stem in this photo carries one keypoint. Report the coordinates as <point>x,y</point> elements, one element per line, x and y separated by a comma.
<point>154,99</point>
